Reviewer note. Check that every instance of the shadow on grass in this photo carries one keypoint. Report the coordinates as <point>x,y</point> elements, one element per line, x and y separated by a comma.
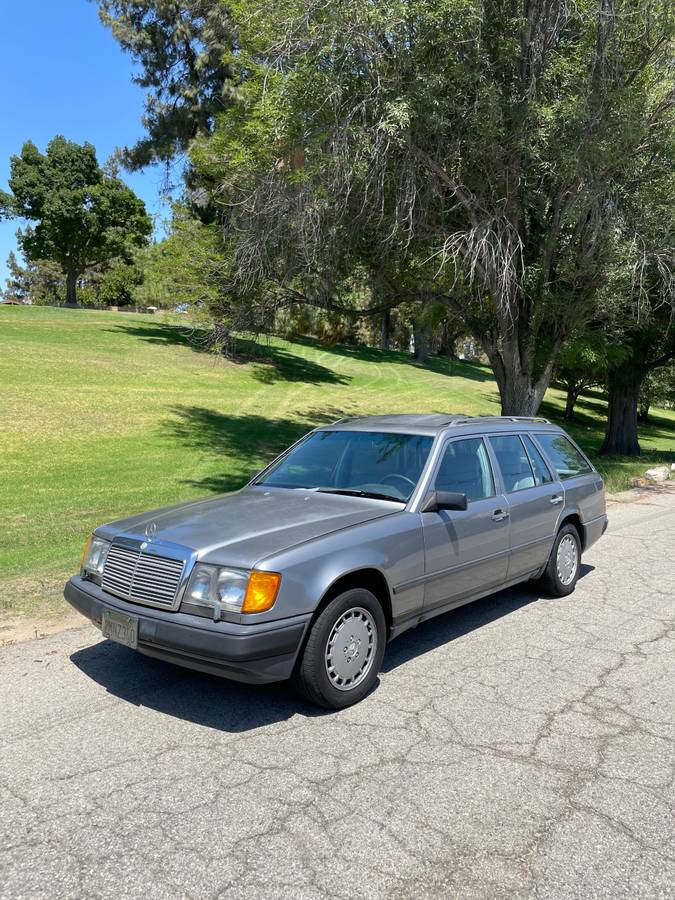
<point>280,364</point>
<point>589,414</point>
<point>591,410</point>
<point>273,364</point>
<point>440,365</point>
<point>247,442</point>
<point>588,429</point>
<point>158,333</point>
<point>228,706</point>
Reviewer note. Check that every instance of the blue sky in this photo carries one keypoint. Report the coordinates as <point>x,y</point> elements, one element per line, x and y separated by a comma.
<point>61,72</point>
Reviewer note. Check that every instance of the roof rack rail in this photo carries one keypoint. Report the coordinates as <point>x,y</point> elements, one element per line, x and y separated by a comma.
<point>526,419</point>
<point>468,420</point>
<point>458,419</point>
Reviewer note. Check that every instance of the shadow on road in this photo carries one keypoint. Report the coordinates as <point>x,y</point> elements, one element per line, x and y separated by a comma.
<point>452,625</point>
<point>228,706</point>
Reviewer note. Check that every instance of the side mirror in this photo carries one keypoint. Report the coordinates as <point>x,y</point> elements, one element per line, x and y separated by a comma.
<point>438,500</point>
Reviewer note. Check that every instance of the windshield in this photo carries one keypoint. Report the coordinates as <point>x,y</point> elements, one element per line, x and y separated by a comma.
<point>364,463</point>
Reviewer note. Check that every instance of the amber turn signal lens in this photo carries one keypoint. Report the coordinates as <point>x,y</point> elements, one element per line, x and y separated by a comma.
<point>86,547</point>
<point>261,592</point>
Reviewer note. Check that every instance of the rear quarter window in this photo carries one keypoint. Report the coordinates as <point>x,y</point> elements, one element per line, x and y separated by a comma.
<point>566,459</point>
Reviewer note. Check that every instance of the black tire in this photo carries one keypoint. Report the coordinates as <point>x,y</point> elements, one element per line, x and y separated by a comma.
<point>311,677</point>
<point>551,581</point>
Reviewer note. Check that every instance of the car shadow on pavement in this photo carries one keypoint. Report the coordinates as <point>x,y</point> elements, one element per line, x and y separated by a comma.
<point>451,625</point>
<point>229,706</point>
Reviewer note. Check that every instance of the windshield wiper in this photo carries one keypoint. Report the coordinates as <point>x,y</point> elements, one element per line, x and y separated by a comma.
<point>355,492</point>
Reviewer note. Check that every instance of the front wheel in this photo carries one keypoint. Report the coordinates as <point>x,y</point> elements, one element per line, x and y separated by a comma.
<point>344,651</point>
<point>562,570</point>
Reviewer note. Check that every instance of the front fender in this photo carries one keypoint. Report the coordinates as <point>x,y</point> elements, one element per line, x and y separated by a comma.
<point>393,546</point>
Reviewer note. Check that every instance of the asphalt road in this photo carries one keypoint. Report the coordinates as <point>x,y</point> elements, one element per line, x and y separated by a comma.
<point>516,747</point>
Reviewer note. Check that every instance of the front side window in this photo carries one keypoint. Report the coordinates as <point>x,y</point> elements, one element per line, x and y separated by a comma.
<point>465,468</point>
<point>376,464</point>
<point>566,459</point>
<point>513,462</point>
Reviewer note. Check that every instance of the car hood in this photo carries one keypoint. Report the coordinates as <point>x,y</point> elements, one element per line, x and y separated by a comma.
<point>243,528</point>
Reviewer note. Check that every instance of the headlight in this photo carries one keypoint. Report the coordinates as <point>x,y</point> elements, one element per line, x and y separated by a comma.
<point>93,559</point>
<point>213,590</point>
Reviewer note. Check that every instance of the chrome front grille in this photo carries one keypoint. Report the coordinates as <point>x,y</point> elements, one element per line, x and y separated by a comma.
<point>140,576</point>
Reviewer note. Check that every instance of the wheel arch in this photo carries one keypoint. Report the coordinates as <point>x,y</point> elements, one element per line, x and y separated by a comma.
<point>368,577</point>
<point>573,518</point>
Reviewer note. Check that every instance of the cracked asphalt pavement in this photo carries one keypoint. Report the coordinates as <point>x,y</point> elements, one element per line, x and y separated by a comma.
<point>516,747</point>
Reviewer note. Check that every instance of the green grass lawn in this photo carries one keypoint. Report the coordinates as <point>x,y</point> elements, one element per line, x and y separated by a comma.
<point>104,414</point>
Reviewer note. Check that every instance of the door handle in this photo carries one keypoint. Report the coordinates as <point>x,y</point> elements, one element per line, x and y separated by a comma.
<point>499,514</point>
<point>556,499</point>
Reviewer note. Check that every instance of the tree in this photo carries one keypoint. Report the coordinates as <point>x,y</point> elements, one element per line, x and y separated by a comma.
<point>648,344</point>
<point>638,303</point>
<point>487,144</point>
<point>40,282</point>
<point>118,283</point>
<point>658,389</point>
<point>640,321</point>
<point>17,284</point>
<point>83,214</point>
<point>183,50</point>
<point>583,364</point>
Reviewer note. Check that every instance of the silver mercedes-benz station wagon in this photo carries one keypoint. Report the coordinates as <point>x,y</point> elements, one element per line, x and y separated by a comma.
<point>360,530</point>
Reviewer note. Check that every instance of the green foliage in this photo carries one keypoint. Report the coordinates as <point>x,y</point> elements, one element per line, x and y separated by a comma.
<point>84,215</point>
<point>461,143</point>
<point>658,389</point>
<point>119,283</point>
<point>184,267</point>
<point>190,269</point>
<point>479,155</point>
<point>182,51</point>
<point>40,282</point>
<point>584,361</point>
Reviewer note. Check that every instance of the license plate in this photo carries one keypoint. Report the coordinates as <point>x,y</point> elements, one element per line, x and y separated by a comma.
<point>120,628</point>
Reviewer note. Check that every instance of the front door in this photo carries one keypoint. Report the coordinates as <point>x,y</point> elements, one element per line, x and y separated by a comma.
<point>466,551</point>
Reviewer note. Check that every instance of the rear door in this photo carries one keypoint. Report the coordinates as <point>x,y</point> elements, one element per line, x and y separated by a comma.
<point>466,551</point>
<point>584,489</point>
<point>535,498</point>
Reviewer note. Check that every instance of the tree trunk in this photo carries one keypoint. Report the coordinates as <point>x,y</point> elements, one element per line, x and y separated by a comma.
<point>621,436</point>
<point>386,328</point>
<point>520,393</point>
<point>448,343</point>
<point>572,397</point>
<point>519,398</point>
<point>71,285</point>
<point>643,412</point>
<point>421,335</point>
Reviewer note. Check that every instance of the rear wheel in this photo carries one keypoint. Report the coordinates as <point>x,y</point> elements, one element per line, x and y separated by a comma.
<point>562,570</point>
<point>344,651</point>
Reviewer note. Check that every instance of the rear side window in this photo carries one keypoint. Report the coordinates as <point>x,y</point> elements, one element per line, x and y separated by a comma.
<point>513,462</point>
<point>566,459</point>
<point>541,472</point>
<point>465,468</point>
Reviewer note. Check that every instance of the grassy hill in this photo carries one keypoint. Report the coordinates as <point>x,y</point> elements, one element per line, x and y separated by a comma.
<point>104,414</point>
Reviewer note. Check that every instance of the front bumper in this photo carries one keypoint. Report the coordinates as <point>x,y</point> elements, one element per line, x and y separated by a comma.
<point>256,653</point>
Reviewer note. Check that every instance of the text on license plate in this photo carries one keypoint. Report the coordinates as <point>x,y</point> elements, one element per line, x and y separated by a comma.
<point>120,628</point>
